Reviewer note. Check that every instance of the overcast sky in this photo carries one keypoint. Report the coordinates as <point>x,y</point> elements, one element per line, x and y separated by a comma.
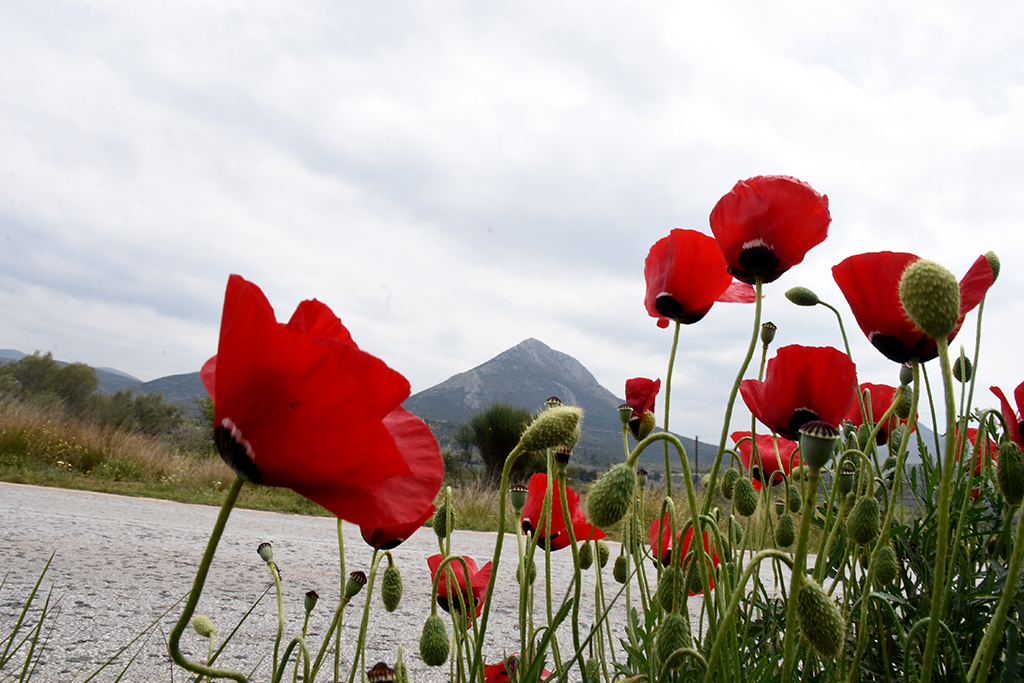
<point>454,177</point>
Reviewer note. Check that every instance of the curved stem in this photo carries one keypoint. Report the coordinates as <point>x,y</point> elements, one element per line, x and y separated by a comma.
<point>174,641</point>
<point>799,569</point>
<point>668,397</point>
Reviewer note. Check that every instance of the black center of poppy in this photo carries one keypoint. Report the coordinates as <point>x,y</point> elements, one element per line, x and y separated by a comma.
<point>378,542</point>
<point>447,605</point>
<point>895,350</point>
<point>800,417</point>
<point>234,454</point>
<point>757,260</point>
<point>665,305</point>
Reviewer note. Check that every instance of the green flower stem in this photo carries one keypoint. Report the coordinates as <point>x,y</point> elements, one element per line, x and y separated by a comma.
<point>280,617</point>
<point>342,599</point>
<point>935,418</point>
<point>335,628</point>
<point>799,569</point>
<point>713,476</point>
<point>734,602</point>
<point>668,396</point>
<point>360,654</point>
<point>524,588</point>
<point>994,631</point>
<point>174,640</point>
<point>831,525</point>
<point>576,574</point>
<point>303,653</point>
<point>945,486</point>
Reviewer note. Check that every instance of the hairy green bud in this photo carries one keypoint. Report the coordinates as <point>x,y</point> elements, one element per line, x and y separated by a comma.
<point>674,635</point>
<point>586,556</point>
<point>820,621</point>
<point>441,520</point>
<point>931,298</point>
<point>558,426</point>
<point>887,566</point>
<point>619,569</point>
<point>434,641</point>
<point>203,625</point>
<point>864,522</point>
<point>785,531</point>
<point>729,479</point>
<point>802,296</point>
<point>611,496</point>
<point>391,588</point>
<point>1010,473</point>
<point>744,498</point>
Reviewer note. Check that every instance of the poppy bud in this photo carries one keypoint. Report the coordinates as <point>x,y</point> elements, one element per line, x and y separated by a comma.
<point>642,427</point>
<point>863,433</point>
<point>603,553</point>
<point>674,635</point>
<point>931,298</point>
<point>619,569</point>
<point>820,620</point>
<point>1010,473</point>
<point>266,552</point>
<point>993,263</point>
<point>785,531</point>
<point>896,437</point>
<point>611,495</point>
<point>768,330</point>
<point>889,467</point>
<point>794,500</point>
<point>671,582</point>
<point>381,673</point>
<point>625,412</point>
<point>517,496</point>
<point>705,480</point>
<point>906,375</point>
<point>802,296</point>
<point>735,532</point>
<point>531,573</point>
<point>558,426</point>
<point>203,625</point>
<point>850,501</point>
<point>552,402</point>
<point>593,670</point>
<point>744,498</point>
<point>904,405</point>
<point>846,479</point>
<point>441,520</point>
<point>586,556</point>
<point>562,455</point>
<point>729,479</point>
<point>401,673</point>
<point>310,602</point>
<point>434,641</point>
<point>354,584</point>
<point>865,521</point>
<point>962,369</point>
<point>887,566</point>
<point>641,477</point>
<point>391,588</point>
<point>817,442</point>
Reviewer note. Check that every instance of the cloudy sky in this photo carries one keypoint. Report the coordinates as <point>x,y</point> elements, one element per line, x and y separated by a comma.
<point>454,177</point>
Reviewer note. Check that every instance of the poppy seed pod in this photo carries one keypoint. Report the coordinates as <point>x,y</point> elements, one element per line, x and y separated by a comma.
<point>266,552</point>
<point>817,442</point>
<point>865,520</point>
<point>381,673</point>
<point>203,625</point>
<point>962,369</point>
<point>887,566</point>
<point>611,496</point>
<point>557,426</point>
<point>391,588</point>
<point>310,602</point>
<point>729,479</point>
<point>768,331</point>
<point>744,498</point>
<point>674,635</point>
<point>846,479</point>
<point>434,641</point>
<point>619,569</point>
<point>785,531</point>
<point>801,296</point>
<point>586,556</point>
<point>820,620</point>
<point>931,298</point>
<point>561,455</point>
<point>517,494</point>
<point>780,506</point>
<point>354,584</point>
<point>603,553</point>
<point>441,520</point>
<point>641,477</point>
<point>625,412</point>
<point>1010,473</point>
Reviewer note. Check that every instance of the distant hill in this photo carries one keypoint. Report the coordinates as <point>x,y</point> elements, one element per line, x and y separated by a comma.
<point>526,375</point>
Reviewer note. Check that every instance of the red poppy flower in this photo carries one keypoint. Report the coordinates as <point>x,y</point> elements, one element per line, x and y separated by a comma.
<point>302,407</point>
<point>970,446</point>
<point>766,225</point>
<point>559,533</point>
<point>502,672</point>
<point>685,275</point>
<point>473,592</point>
<point>640,397</point>
<point>871,285</point>
<point>1014,421</point>
<point>882,396</point>
<point>666,543</point>
<point>772,465</point>
<point>802,384</point>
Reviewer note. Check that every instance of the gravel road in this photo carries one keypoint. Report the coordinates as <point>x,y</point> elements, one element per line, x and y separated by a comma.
<point>119,563</point>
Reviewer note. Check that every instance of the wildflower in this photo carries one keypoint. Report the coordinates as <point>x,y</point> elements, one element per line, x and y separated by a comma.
<point>662,547</point>
<point>300,406</point>
<point>766,225</point>
<point>870,283</point>
<point>970,445</point>
<point>772,465</point>
<point>472,591</point>
<point>802,384</point>
<point>1014,420</point>
<point>882,396</point>
<point>503,672</point>
<point>533,509</point>
<point>641,394</point>
<point>686,275</point>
